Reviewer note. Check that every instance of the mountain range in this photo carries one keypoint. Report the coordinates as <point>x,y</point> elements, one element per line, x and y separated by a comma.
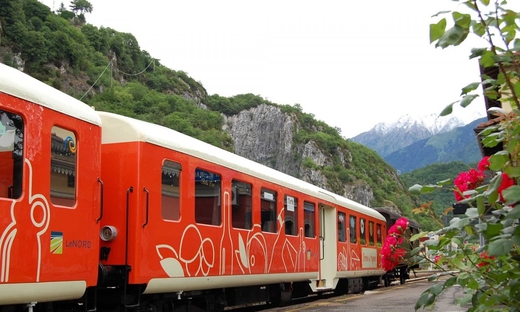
<point>414,142</point>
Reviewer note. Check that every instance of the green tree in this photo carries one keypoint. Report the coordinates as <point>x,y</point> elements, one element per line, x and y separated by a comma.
<point>81,6</point>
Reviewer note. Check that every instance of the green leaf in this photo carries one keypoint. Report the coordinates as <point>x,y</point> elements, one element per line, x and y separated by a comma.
<point>500,247</point>
<point>415,251</point>
<point>437,30</point>
<point>512,194</point>
<point>486,60</point>
<point>484,2</point>
<point>512,171</point>
<point>445,182</point>
<point>472,212</point>
<point>498,160</point>
<point>462,20</point>
<point>466,100</point>
<point>452,37</point>
<point>421,189</point>
<point>436,289</point>
<point>448,109</point>
<point>433,278</point>
<point>516,44</point>
<point>481,206</point>
<point>514,213</point>
<point>517,88</point>
<point>493,229</point>
<point>472,86</point>
<point>423,299</point>
<point>418,235</point>
<point>440,13</point>
<point>450,282</point>
<point>462,278</point>
<point>464,300</point>
<point>477,52</point>
<point>472,283</point>
<point>479,30</point>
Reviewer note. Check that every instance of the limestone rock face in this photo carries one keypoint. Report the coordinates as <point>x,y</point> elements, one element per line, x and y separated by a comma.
<point>266,135</point>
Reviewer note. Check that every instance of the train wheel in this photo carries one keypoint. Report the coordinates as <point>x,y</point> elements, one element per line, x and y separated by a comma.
<point>402,275</point>
<point>386,278</point>
<point>281,295</point>
<point>341,287</point>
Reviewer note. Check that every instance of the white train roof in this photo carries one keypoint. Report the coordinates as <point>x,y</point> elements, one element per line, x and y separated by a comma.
<point>23,86</point>
<point>119,129</point>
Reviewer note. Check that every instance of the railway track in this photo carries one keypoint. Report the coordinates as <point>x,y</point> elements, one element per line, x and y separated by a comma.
<point>266,307</point>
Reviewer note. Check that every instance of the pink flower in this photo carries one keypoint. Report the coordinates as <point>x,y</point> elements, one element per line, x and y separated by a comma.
<point>399,227</point>
<point>437,258</point>
<point>483,164</point>
<point>506,183</point>
<point>387,264</point>
<point>402,224</point>
<point>386,249</point>
<point>391,240</point>
<point>467,180</point>
<point>398,255</point>
<point>393,230</point>
<point>391,253</point>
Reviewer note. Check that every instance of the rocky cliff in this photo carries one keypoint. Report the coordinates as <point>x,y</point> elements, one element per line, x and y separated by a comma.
<point>265,134</point>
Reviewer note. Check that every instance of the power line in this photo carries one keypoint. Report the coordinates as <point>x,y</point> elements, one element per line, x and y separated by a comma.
<point>119,71</point>
<point>104,70</point>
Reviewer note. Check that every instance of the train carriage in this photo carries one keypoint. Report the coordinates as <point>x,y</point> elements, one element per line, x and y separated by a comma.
<point>101,211</point>
<point>49,201</point>
<point>192,217</point>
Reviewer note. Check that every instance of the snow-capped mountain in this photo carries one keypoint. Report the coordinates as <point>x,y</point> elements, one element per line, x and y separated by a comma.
<point>386,138</point>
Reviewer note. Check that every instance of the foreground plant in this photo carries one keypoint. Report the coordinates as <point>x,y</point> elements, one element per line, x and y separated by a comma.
<point>392,252</point>
<point>480,251</point>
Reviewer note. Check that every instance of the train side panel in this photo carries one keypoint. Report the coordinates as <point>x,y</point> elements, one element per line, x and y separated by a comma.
<point>48,204</point>
<point>190,219</point>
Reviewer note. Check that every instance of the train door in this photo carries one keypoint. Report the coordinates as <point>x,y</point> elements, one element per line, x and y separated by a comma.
<point>328,247</point>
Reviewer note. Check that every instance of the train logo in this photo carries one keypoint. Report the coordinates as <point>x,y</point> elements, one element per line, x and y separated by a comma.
<point>57,243</point>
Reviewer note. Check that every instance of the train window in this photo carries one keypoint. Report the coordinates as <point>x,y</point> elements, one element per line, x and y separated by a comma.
<point>342,235</point>
<point>362,231</point>
<point>207,197</point>
<point>63,167</point>
<point>268,210</point>
<point>241,202</point>
<point>308,218</point>
<point>11,154</point>
<point>371,233</point>
<point>378,235</point>
<point>170,190</point>
<point>353,231</point>
<point>291,215</point>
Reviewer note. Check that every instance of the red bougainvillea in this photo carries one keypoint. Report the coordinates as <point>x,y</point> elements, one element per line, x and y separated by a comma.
<point>391,253</point>
<point>485,259</point>
<point>470,180</point>
<point>467,180</point>
<point>506,182</point>
<point>483,164</point>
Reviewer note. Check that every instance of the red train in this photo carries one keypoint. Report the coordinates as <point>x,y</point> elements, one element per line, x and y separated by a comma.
<point>101,211</point>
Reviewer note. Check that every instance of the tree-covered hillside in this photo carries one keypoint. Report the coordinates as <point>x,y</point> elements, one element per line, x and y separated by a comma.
<point>108,70</point>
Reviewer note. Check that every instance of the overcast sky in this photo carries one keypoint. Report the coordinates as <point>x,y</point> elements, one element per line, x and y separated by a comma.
<point>352,64</point>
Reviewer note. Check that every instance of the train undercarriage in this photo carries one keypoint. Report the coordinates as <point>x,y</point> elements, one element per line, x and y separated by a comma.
<point>130,298</point>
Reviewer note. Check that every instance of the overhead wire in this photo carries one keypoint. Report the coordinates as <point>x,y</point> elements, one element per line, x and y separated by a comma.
<point>119,71</point>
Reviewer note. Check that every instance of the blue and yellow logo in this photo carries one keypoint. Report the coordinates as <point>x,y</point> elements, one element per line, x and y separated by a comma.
<point>57,243</point>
